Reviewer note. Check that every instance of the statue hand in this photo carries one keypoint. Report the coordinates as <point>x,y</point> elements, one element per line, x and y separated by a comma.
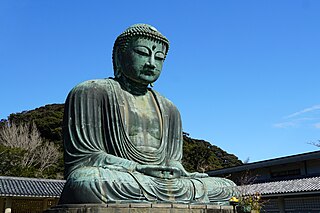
<point>197,175</point>
<point>184,173</point>
<point>166,172</point>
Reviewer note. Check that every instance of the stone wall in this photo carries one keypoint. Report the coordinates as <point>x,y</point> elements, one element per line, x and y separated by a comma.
<point>141,208</point>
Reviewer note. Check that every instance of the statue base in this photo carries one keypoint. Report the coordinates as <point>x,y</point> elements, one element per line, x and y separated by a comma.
<point>141,208</point>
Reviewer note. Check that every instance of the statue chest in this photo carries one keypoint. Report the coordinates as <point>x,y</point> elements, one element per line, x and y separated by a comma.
<point>143,121</point>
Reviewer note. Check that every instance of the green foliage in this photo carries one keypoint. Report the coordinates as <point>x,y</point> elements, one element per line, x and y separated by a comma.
<point>48,120</point>
<point>251,202</point>
<point>10,159</point>
<point>198,155</point>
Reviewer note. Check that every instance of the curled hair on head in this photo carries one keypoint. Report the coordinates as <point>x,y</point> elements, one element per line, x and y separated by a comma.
<point>136,30</point>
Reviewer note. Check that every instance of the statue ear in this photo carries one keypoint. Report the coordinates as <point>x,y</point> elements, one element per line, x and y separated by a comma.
<point>117,61</point>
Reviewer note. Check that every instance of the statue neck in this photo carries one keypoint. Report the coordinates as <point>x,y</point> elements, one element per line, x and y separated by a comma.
<point>132,86</point>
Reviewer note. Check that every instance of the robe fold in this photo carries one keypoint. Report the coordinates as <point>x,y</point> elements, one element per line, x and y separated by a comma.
<point>100,159</point>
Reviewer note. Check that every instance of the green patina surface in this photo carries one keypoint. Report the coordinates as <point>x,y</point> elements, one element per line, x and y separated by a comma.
<point>123,140</point>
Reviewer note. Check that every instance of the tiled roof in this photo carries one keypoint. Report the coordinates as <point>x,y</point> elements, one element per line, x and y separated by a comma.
<point>33,187</point>
<point>30,187</point>
<point>267,163</point>
<point>283,187</point>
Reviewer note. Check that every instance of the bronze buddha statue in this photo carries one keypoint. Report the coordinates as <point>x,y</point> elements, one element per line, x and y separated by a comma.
<point>123,140</point>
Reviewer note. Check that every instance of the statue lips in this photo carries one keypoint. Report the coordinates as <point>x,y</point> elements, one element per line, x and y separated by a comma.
<point>150,72</point>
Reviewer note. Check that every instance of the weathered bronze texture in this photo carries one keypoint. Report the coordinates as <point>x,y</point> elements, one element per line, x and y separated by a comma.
<point>123,140</point>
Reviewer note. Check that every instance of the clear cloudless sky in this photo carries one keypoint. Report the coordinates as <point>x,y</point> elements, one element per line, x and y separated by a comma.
<point>245,75</point>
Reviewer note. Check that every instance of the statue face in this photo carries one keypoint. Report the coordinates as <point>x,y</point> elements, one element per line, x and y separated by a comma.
<point>143,60</point>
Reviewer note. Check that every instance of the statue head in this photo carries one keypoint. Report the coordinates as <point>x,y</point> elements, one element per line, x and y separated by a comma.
<point>139,49</point>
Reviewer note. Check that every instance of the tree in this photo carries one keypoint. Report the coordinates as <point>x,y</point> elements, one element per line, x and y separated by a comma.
<point>200,155</point>
<point>317,144</point>
<point>35,155</point>
<point>10,159</point>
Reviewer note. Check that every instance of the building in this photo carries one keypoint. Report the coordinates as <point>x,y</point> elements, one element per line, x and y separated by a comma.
<point>289,184</point>
<point>26,195</point>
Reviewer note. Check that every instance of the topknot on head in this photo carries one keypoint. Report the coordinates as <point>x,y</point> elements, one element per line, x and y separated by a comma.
<point>144,30</point>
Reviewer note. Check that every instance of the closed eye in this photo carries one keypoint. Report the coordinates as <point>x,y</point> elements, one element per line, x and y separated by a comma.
<point>159,56</point>
<point>142,50</point>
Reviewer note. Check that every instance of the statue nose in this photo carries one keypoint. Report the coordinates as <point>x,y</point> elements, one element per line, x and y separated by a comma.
<point>151,65</point>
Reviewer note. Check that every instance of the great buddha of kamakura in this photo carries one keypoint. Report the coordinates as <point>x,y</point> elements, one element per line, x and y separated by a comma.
<point>123,140</point>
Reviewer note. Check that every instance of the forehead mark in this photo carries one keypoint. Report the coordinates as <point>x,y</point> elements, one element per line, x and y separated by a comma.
<point>154,47</point>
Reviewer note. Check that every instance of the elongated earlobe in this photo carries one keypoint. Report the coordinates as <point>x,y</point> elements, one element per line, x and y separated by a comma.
<point>118,70</point>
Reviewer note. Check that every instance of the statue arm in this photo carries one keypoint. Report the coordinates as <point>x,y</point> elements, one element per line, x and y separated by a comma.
<point>89,137</point>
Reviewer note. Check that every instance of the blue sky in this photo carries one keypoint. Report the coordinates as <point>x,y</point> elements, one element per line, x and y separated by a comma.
<point>244,74</point>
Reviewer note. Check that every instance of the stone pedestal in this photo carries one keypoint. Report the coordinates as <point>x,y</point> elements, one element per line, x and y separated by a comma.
<point>141,208</point>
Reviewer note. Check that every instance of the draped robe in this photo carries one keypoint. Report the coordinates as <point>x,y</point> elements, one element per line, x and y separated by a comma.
<point>100,159</point>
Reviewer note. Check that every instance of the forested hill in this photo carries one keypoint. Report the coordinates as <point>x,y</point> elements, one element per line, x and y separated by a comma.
<point>198,155</point>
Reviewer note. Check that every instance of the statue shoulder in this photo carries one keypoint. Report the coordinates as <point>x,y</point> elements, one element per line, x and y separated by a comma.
<point>95,85</point>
